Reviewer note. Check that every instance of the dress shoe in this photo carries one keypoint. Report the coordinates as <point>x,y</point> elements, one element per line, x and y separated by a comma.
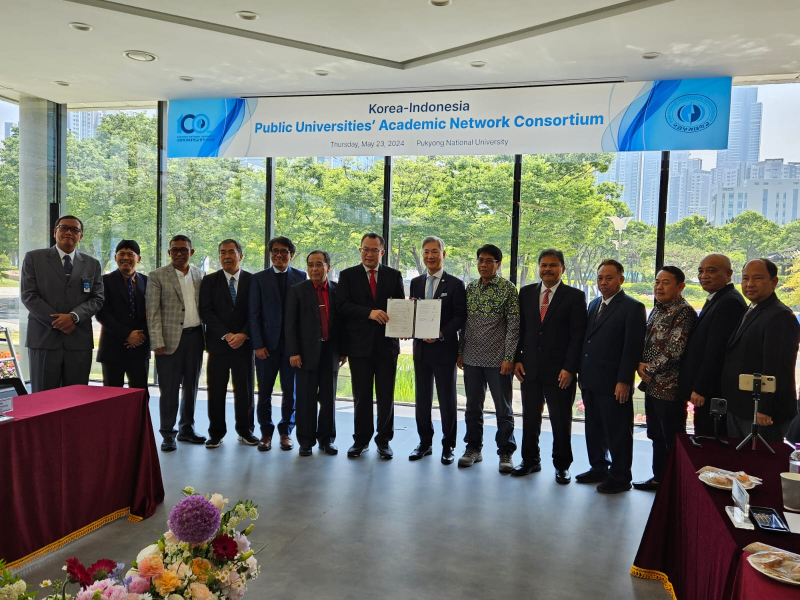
<point>191,438</point>
<point>592,476</point>
<point>212,443</point>
<point>264,444</point>
<point>420,451</point>
<point>526,468</point>
<point>651,485</point>
<point>385,452</point>
<point>355,450</point>
<point>448,456</point>
<point>305,450</point>
<point>609,486</point>
<point>329,449</point>
<point>249,439</point>
<point>169,446</point>
<point>286,442</point>
<point>562,476</point>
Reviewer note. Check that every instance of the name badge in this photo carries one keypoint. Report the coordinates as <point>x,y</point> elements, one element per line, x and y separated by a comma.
<point>87,286</point>
<point>443,295</point>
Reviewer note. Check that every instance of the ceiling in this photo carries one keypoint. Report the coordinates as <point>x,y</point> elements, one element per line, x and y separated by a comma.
<point>381,45</point>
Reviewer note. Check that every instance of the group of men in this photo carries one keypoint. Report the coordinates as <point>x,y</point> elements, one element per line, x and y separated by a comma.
<point>300,327</point>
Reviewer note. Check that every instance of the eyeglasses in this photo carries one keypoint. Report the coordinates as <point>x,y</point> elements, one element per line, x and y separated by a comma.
<point>487,261</point>
<point>370,250</point>
<point>319,265</point>
<point>179,250</point>
<point>279,252</point>
<point>68,229</point>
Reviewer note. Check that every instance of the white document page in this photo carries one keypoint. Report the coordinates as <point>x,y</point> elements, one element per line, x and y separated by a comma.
<point>401,318</point>
<point>428,323</point>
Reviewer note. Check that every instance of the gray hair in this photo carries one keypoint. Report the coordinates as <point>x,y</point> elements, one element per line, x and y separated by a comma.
<point>433,238</point>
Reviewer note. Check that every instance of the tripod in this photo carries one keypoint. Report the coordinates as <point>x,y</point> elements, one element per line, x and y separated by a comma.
<point>717,416</point>
<point>754,435</point>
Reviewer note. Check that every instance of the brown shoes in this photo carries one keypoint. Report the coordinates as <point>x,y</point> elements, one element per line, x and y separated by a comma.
<point>286,442</point>
<point>264,444</point>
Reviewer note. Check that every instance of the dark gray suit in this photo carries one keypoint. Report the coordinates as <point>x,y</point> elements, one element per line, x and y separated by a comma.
<point>59,359</point>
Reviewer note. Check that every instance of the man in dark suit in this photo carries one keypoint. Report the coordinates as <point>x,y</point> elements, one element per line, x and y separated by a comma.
<point>765,341</point>
<point>62,290</point>
<point>268,291</point>
<point>224,299</point>
<point>124,347</point>
<point>552,326</point>
<point>362,299</point>
<point>698,378</point>
<point>611,352</point>
<point>435,359</point>
<point>312,343</point>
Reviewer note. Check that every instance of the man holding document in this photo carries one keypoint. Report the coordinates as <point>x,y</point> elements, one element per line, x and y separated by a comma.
<point>435,357</point>
<point>361,299</point>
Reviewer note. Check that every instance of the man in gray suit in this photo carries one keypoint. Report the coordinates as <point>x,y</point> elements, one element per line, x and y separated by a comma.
<point>176,336</point>
<point>62,290</point>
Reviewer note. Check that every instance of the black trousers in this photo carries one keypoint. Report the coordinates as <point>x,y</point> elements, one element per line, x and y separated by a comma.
<point>219,370</point>
<point>665,419</point>
<point>366,371</point>
<point>609,434</point>
<point>178,378</point>
<point>52,369</point>
<point>559,406</point>
<point>704,422</point>
<point>313,387</point>
<point>425,374</point>
<point>137,372</point>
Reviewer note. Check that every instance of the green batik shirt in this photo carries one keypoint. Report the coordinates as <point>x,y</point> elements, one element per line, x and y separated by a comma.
<point>491,332</point>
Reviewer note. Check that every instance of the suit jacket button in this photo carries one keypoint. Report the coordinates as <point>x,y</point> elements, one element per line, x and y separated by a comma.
<point>183,310</point>
<point>588,341</point>
<point>540,333</point>
<point>586,355</point>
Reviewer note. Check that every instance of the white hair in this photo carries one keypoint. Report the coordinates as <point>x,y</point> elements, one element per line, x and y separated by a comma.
<point>433,238</point>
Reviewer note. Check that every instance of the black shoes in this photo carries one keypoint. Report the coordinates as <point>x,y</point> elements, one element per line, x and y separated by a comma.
<point>385,452</point>
<point>329,449</point>
<point>419,452</point>
<point>562,476</point>
<point>592,476</point>
<point>169,446</point>
<point>355,450</point>
<point>249,439</point>
<point>213,443</point>
<point>191,438</point>
<point>609,486</point>
<point>305,450</point>
<point>448,456</point>
<point>651,485</point>
<point>526,468</point>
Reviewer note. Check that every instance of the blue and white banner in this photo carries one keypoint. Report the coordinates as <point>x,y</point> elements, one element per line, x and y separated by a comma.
<point>684,114</point>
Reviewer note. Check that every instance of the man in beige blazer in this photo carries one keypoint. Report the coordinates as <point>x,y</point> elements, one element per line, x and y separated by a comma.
<point>176,336</point>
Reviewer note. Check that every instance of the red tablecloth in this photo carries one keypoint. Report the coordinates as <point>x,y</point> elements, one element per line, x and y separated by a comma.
<point>752,585</point>
<point>689,542</point>
<point>72,460</point>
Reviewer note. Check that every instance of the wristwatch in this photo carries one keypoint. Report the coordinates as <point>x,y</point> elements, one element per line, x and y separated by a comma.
<point>74,317</point>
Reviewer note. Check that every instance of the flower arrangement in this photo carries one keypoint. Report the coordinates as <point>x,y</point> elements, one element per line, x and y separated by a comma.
<point>7,368</point>
<point>11,586</point>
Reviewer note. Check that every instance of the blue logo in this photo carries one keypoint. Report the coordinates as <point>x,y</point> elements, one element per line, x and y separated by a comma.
<point>190,124</point>
<point>691,113</point>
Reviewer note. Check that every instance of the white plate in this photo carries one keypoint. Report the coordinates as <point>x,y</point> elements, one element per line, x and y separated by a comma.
<point>706,478</point>
<point>768,572</point>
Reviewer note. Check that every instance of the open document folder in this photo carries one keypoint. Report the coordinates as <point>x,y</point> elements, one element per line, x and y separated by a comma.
<point>414,319</point>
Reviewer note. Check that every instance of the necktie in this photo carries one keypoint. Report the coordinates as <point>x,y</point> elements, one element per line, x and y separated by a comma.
<point>545,304</point>
<point>67,265</point>
<point>429,293</point>
<point>323,311</point>
<point>705,306</point>
<point>744,318</point>
<point>373,284</point>
<point>131,297</point>
<point>600,309</point>
<point>232,289</point>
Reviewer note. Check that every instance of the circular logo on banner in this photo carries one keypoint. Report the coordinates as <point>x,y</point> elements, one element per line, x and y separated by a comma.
<point>193,123</point>
<point>691,113</point>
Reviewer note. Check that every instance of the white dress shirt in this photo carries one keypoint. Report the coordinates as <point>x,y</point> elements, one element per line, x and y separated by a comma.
<point>541,293</point>
<point>367,269</point>
<point>191,316</point>
<point>71,255</point>
<point>235,278</point>
<point>438,276</point>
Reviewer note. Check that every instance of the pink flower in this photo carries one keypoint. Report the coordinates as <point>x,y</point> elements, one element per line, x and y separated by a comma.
<point>151,566</point>
<point>139,585</point>
<point>242,542</point>
<point>107,589</point>
<point>235,588</point>
<point>200,591</point>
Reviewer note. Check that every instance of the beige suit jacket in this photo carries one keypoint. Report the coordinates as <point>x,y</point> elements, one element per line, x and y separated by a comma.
<point>165,312</point>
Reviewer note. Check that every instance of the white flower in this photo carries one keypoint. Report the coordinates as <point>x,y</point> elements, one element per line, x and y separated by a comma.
<point>175,597</point>
<point>45,583</point>
<point>64,568</point>
<point>151,550</point>
<point>218,501</point>
<point>170,539</point>
<point>146,596</point>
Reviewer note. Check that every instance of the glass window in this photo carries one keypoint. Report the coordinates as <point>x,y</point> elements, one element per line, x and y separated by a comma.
<point>10,260</point>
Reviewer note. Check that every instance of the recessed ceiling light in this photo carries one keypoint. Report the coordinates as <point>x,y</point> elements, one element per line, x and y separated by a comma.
<point>186,78</point>
<point>247,15</point>
<point>140,55</point>
<point>651,55</point>
<point>321,72</point>
<point>62,83</point>
<point>440,3</point>
<point>477,64</point>
<point>80,26</point>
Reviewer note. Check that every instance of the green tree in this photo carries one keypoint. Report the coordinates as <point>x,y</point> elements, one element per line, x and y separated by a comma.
<point>9,199</point>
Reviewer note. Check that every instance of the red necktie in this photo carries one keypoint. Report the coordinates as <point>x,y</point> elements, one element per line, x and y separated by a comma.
<point>373,285</point>
<point>545,304</point>
<point>323,311</point>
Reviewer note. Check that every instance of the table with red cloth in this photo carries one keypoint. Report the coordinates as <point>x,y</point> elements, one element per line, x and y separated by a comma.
<point>74,459</point>
<point>689,542</point>
<point>749,583</point>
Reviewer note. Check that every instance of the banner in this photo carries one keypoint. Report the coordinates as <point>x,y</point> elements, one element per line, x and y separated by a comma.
<point>683,114</point>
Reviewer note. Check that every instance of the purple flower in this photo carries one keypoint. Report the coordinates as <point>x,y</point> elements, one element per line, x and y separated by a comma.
<point>194,520</point>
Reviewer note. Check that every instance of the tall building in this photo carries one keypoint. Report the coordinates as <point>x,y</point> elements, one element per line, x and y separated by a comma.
<point>7,126</point>
<point>650,188</point>
<point>744,135</point>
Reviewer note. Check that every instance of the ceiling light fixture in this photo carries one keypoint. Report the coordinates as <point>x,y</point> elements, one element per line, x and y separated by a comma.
<point>321,72</point>
<point>140,55</point>
<point>62,83</point>
<point>651,55</point>
<point>186,78</point>
<point>247,15</point>
<point>477,64</point>
<point>80,26</point>
<point>440,3</point>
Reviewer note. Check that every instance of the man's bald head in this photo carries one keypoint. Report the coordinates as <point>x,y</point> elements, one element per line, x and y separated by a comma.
<point>714,272</point>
